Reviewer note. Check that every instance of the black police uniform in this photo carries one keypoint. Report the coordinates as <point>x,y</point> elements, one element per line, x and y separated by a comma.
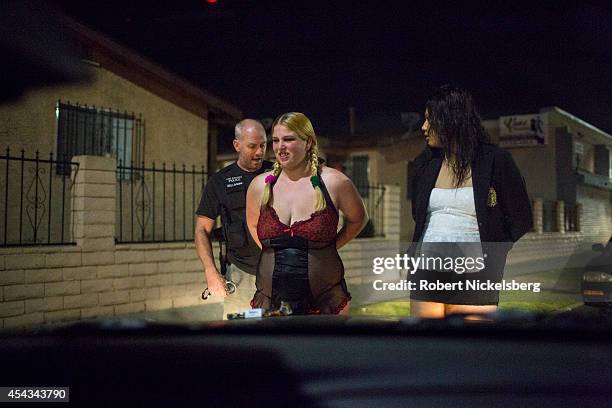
<point>225,196</point>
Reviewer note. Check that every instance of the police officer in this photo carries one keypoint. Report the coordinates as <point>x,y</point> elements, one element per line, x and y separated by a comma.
<point>225,196</point>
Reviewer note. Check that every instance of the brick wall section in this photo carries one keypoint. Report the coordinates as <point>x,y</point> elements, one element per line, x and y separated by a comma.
<point>357,257</point>
<point>95,278</point>
<point>560,216</point>
<point>36,292</point>
<point>538,215</point>
<point>596,216</point>
<point>549,245</point>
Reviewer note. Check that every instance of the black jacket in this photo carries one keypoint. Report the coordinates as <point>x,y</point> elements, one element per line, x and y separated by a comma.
<point>503,209</point>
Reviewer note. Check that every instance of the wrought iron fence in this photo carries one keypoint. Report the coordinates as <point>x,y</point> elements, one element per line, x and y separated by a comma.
<point>373,198</point>
<point>36,201</point>
<point>157,204</point>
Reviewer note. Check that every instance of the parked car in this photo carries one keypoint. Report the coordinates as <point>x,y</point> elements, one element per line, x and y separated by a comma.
<point>597,277</point>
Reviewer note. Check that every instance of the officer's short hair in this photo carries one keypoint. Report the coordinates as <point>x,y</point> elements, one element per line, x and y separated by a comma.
<point>248,123</point>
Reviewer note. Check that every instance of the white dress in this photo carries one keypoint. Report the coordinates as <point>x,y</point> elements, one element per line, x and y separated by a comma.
<point>451,228</point>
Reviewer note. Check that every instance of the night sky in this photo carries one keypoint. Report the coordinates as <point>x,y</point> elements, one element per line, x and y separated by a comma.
<point>383,58</point>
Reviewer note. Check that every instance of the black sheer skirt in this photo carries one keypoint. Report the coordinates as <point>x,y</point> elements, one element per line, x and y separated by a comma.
<point>306,274</point>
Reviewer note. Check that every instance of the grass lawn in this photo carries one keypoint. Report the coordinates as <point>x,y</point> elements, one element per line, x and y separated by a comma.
<point>560,289</point>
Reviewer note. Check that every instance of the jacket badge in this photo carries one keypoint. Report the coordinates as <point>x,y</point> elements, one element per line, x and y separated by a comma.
<point>492,197</point>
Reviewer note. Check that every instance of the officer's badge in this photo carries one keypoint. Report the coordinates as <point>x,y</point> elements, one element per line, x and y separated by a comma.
<point>492,198</point>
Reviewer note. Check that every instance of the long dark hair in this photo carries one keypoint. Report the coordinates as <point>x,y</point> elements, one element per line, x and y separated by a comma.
<point>457,124</point>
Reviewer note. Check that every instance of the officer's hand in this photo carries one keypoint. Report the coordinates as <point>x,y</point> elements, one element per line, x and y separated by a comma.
<point>216,284</point>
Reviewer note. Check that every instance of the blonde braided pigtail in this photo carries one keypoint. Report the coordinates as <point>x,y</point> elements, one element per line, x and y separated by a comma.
<point>315,179</point>
<point>267,193</point>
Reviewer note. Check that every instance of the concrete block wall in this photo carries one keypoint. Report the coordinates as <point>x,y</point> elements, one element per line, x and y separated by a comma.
<point>594,208</point>
<point>538,215</point>
<point>550,251</point>
<point>549,245</point>
<point>358,256</point>
<point>36,287</point>
<point>95,278</point>
<point>596,213</point>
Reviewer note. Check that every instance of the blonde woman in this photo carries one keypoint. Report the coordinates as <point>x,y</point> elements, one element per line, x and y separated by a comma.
<point>292,214</point>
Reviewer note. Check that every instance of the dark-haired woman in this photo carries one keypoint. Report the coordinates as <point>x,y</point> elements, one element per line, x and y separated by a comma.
<point>469,202</point>
<point>292,213</point>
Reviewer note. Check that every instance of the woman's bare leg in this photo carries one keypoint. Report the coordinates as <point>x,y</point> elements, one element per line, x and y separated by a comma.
<point>427,310</point>
<point>470,310</point>
<point>345,310</point>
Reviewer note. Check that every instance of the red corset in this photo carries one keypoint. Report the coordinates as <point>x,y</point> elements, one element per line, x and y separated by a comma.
<point>320,227</point>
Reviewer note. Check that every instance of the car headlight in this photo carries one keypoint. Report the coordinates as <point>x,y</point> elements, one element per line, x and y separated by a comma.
<point>597,277</point>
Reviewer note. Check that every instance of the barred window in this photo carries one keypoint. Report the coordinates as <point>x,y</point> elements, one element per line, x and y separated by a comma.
<point>356,168</point>
<point>83,130</point>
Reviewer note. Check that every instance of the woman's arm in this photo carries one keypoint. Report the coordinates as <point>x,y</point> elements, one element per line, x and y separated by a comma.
<point>349,202</point>
<point>253,198</point>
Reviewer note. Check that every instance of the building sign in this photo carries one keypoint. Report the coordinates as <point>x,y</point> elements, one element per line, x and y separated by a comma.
<point>523,130</point>
<point>579,148</point>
